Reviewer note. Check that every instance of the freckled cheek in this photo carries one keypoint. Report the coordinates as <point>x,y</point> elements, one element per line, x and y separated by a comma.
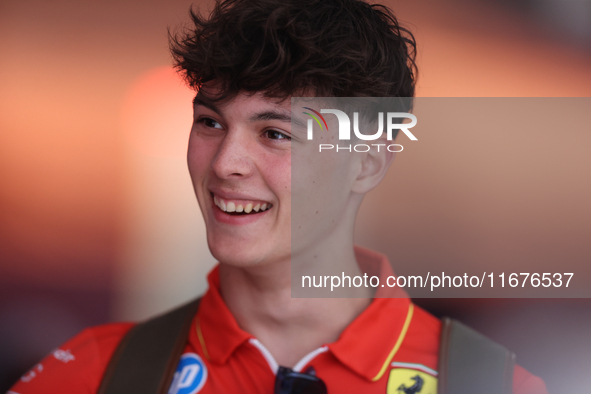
<point>200,154</point>
<point>278,175</point>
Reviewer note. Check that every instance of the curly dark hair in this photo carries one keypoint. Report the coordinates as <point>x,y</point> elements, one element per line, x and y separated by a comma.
<point>322,48</point>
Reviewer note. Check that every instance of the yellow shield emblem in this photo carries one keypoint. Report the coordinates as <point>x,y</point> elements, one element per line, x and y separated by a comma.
<point>411,381</point>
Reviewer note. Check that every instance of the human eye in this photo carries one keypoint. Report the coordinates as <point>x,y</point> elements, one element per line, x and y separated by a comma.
<point>276,135</point>
<point>209,122</point>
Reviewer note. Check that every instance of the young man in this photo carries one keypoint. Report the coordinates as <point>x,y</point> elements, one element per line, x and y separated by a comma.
<point>246,60</point>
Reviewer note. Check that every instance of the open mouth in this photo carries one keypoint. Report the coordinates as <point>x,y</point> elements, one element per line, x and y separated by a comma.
<point>241,207</point>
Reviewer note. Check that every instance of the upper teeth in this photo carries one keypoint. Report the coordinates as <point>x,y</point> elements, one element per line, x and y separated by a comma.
<point>231,206</point>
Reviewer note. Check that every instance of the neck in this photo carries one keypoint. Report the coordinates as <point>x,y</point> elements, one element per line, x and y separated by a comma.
<point>289,327</point>
<point>260,298</point>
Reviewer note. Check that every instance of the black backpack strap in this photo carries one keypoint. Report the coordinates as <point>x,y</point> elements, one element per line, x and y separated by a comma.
<point>147,357</point>
<point>471,363</point>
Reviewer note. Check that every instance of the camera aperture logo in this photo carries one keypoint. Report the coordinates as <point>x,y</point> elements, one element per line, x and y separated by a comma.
<point>345,129</point>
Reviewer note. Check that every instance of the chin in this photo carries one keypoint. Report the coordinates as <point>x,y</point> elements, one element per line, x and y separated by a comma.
<point>248,248</point>
<point>235,255</point>
<point>246,256</point>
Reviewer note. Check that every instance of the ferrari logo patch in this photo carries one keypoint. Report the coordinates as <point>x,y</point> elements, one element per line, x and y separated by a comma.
<point>411,381</point>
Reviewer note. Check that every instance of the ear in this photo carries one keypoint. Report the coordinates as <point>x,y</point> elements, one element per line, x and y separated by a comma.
<point>373,167</point>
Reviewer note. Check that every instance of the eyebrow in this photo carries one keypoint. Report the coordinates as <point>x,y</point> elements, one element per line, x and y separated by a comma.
<point>203,101</point>
<point>282,116</point>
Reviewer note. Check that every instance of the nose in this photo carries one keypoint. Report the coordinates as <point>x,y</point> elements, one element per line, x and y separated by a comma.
<point>232,160</point>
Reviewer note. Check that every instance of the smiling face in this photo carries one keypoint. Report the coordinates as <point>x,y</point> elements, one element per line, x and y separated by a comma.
<point>240,163</point>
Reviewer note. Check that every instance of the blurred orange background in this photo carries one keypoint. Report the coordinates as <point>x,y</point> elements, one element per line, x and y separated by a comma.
<point>97,217</point>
